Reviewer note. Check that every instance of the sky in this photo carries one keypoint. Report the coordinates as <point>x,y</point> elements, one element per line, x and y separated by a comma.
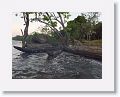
<point>17,24</point>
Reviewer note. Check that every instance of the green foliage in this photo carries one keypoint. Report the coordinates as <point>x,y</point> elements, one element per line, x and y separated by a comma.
<point>36,37</point>
<point>98,27</point>
<point>83,28</point>
<point>53,40</point>
<point>80,20</point>
<point>18,38</point>
<point>76,28</point>
<point>98,30</point>
<point>45,18</point>
<point>52,19</point>
<point>53,24</point>
<point>91,17</point>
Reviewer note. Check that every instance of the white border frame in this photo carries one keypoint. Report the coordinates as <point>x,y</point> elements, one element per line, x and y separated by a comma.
<point>104,84</point>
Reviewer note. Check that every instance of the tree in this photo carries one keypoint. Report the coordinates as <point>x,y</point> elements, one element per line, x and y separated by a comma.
<point>92,17</point>
<point>76,28</point>
<point>51,20</point>
<point>25,16</point>
<point>25,33</point>
<point>92,20</point>
<point>98,30</point>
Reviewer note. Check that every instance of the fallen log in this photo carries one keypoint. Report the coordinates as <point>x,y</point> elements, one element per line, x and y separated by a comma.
<point>50,51</point>
<point>28,50</point>
<point>85,53</point>
<point>35,50</point>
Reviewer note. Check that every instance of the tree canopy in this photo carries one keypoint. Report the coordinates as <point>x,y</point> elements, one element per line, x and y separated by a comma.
<point>86,26</point>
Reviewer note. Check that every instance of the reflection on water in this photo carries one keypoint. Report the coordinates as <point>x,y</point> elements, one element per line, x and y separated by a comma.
<point>64,66</point>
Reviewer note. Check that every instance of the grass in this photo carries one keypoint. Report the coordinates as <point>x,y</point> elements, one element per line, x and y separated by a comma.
<point>97,43</point>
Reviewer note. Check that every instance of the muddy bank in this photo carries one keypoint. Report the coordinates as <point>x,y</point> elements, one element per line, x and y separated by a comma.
<point>64,66</point>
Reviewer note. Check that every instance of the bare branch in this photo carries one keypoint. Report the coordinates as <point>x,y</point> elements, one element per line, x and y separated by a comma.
<point>62,23</point>
<point>22,32</point>
<point>55,18</point>
<point>24,17</point>
<point>54,29</point>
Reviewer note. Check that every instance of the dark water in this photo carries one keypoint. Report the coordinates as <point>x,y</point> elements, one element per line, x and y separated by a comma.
<point>64,66</point>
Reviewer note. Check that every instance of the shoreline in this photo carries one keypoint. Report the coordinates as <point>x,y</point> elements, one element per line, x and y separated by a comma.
<point>86,51</point>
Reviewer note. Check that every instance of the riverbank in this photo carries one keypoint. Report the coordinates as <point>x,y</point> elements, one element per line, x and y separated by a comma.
<point>64,66</point>
<point>53,50</point>
<point>43,43</point>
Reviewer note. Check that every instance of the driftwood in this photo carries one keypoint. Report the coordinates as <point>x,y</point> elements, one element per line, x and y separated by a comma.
<point>85,53</point>
<point>82,51</point>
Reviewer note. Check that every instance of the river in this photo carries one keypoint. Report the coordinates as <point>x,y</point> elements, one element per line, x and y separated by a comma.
<point>64,66</point>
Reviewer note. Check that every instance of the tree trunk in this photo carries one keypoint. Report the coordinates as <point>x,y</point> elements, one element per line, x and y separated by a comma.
<point>25,34</point>
<point>66,40</point>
